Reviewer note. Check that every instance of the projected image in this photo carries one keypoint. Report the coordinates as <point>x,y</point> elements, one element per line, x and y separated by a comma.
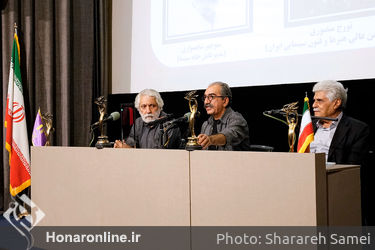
<point>301,12</point>
<point>192,19</point>
<point>201,32</point>
<point>193,42</point>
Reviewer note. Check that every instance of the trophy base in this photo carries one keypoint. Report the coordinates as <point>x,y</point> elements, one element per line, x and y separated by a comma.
<point>103,142</point>
<point>193,147</point>
<point>192,144</point>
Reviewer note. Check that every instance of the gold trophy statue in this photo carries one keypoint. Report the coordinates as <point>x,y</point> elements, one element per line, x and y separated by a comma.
<point>102,107</point>
<point>48,122</point>
<point>292,120</point>
<point>192,143</point>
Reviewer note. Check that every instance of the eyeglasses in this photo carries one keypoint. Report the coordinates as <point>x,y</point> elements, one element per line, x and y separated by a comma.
<point>211,97</point>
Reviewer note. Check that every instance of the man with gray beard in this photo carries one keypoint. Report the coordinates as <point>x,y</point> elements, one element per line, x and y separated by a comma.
<point>145,134</point>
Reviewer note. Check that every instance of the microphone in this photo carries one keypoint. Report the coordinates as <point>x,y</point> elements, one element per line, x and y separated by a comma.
<point>160,120</point>
<point>182,119</point>
<point>274,111</point>
<point>114,116</point>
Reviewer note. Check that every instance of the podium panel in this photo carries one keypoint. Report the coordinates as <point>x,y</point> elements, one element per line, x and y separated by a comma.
<point>258,189</point>
<point>344,195</point>
<point>111,187</point>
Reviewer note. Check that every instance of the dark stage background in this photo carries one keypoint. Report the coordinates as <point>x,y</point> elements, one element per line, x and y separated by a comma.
<point>252,101</point>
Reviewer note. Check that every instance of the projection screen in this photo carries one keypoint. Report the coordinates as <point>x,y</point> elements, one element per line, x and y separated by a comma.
<point>172,45</point>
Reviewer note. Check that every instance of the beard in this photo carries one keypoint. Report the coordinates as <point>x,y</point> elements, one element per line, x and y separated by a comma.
<point>150,117</point>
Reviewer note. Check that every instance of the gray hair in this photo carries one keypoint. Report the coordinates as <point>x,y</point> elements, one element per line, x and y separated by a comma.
<point>152,93</point>
<point>224,90</point>
<point>333,89</point>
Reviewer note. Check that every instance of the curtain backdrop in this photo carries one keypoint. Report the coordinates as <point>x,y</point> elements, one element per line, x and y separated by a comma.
<point>65,55</point>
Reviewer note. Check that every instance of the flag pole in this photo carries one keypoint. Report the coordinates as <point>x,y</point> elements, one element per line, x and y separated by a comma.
<point>27,210</point>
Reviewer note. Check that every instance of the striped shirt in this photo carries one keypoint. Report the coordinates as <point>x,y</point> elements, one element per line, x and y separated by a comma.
<point>323,137</point>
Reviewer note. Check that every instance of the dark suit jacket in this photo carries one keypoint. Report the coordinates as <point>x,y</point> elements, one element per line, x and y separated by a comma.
<point>350,143</point>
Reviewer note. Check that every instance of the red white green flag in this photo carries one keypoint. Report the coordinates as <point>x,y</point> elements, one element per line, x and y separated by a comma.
<point>306,133</point>
<point>17,142</point>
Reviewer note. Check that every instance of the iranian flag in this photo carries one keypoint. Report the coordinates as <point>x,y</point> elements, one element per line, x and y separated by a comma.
<point>17,142</point>
<point>306,133</point>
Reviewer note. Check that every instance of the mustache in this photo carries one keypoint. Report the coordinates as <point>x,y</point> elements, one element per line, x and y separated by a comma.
<point>148,118</point>
<point>316,110</point>
<point>208,105</point>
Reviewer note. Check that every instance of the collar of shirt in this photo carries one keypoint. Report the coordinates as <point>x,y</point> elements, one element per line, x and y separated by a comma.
<point>333,124</point>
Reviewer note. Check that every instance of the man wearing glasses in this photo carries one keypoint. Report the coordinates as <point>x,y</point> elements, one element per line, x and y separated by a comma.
<point>225,129</point>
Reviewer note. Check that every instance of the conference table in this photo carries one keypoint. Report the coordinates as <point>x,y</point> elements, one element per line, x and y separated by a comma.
<point>82,186</point>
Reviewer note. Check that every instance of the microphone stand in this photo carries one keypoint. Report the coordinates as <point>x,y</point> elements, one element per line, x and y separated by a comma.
<point>322,118</point>
<point>161,139</point>
<point>122,129</point>
<point>300,115</point>
<point>164,134</point>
